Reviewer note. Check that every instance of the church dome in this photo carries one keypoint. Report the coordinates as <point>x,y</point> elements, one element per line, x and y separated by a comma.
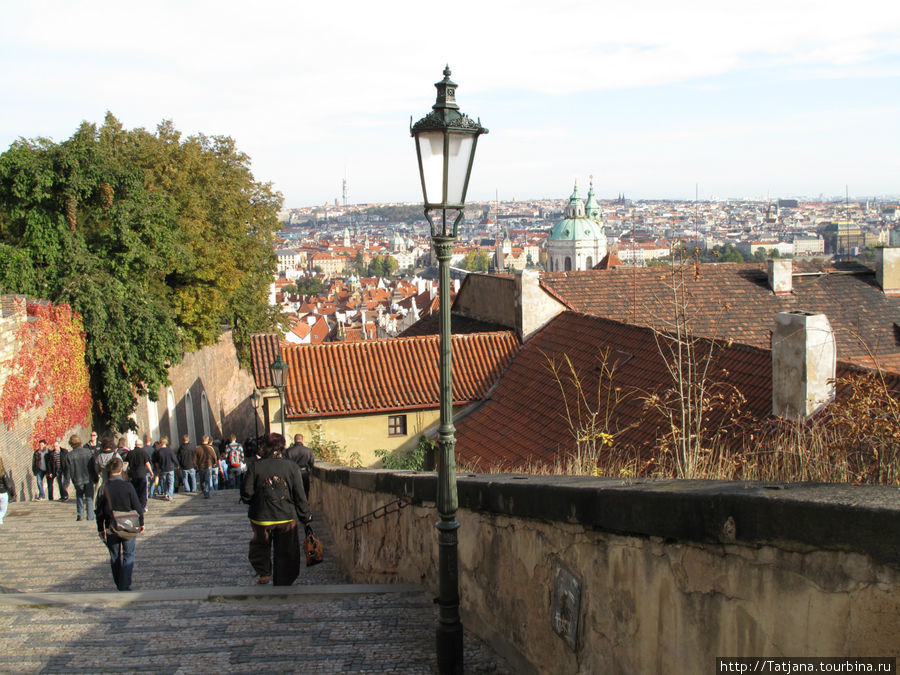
<point>577,226</point>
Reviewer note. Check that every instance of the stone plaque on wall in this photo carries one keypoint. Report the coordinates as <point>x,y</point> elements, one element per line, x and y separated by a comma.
<point>566,607</point>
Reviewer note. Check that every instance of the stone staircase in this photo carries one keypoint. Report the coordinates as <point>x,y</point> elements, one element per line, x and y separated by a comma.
<point>194,605</point>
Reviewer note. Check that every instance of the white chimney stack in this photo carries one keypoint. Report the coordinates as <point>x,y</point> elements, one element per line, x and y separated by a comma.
<point>804,358</point>
<point>887,272</point>
<point>780,279</point>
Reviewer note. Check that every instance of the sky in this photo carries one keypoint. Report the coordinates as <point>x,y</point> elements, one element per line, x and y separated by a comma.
<point>650,99</point>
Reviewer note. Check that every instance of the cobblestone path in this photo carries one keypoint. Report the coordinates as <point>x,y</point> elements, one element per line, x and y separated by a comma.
<point>195,606</point>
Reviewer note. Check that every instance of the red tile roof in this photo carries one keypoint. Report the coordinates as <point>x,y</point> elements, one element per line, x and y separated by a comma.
<point>735,301</point>
<point>525,418</point>
<point>340,378</point>
<point>264,348</point>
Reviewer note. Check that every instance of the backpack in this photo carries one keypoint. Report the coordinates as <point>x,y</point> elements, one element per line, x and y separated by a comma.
<point>234,456</point>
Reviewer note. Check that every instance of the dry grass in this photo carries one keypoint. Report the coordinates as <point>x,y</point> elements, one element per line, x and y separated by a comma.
<point>856,440</point>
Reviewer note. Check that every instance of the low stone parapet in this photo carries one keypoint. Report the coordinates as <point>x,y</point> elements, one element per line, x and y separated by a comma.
<point>590,575</point>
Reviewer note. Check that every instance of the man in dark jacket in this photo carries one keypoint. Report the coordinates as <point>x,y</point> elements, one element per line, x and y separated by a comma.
<point>39,468</point>
<point>167,463</point>
<point>54,472</point>
<point>118,495</point>
<point>303,457</point>
<point>273,487</point>
<point>140,472</point>
<point>186,460</point>
<point>78,467</point>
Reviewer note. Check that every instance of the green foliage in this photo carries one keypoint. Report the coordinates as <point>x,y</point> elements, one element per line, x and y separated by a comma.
<point>382,266</point>
<point>359,264</point>
<point>476,261</point>
<point>331,451</point>
<point>722,253</point>
<point>157,241</point>
<point>309,286</point>
<point>414,460</point>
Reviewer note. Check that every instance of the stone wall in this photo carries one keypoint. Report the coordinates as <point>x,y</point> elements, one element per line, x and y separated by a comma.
<point>591,575</point>
<point>15,443</point>
<point>209,394</point>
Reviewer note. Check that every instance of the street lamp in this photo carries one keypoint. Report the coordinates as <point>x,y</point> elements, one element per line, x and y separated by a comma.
<point>445,147</point>
<point>254,401</point>
<point>279,369</point>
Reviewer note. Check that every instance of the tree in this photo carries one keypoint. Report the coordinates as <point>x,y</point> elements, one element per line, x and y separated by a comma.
<point>382,266</point>
<point>155,240</point>
<point>359,264</point>
<point>476,260</point>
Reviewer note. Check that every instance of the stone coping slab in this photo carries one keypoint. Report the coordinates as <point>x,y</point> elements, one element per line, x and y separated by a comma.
<point>853,518</point>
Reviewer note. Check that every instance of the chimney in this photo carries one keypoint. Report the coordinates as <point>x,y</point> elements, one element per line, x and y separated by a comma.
<point>780,280</point>
<point>887,272</point>
<point>803,364</point>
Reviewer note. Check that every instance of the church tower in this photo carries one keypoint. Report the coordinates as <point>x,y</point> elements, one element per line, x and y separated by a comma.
<point>577,242</point>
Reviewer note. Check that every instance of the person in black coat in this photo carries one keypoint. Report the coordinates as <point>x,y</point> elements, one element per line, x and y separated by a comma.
<point>273,487</point>
<point>80,469</point>
<point>118,495</point>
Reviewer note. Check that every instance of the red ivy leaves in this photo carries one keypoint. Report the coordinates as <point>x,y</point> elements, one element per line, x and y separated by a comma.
<point>49,369</point>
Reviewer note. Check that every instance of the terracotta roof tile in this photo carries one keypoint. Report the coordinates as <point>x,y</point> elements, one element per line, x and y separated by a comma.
<point>341,378</point>
<point>525,418</point>
<point>734,301</point>
<point>264,347</point>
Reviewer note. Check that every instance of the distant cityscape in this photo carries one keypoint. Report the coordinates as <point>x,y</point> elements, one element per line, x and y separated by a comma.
<point>364,271</point>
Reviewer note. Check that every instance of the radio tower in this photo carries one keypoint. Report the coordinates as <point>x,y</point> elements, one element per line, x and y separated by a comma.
<point>345,190</point>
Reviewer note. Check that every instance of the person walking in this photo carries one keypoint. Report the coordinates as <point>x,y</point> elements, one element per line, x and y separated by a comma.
<point>118,495</point>
<point>234,456</point>
<point>273,487</point>
<point>186,460</point>
<point>5,489</point>
<point>102,460</point>
<point>140,472</point>
<point>39,468</point>
<point>93,443</point>
<point>167,464</point>
<point>78,468</point>
<point>57,460</point>
<point>303,457</point>
<point>207,462</point>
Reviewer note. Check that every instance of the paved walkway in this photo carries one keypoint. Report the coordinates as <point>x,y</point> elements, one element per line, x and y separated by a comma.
<point>195,606</point>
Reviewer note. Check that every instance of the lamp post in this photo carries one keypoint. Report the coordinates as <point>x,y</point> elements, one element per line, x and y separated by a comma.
<point>254,401</point>
<point>445,147</point>
<point>279,369</point>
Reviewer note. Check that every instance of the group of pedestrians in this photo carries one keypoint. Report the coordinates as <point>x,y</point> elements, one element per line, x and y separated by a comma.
<point>109,476</point>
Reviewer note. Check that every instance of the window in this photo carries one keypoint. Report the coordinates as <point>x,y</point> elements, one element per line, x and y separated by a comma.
<point>397,425</point>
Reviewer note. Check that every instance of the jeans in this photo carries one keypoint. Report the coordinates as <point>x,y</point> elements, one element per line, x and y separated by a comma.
<point>142,487</point>
<point>207,476</point>
<point>63,482</point>
<point>40,481</point>
<point>167,482</point>
<point>84,500</point>
<point>189,476</point>
<point>121,560</point>
<point>4,501</point>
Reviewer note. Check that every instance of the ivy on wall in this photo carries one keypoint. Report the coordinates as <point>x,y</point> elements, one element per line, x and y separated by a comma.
<point>48,372</point>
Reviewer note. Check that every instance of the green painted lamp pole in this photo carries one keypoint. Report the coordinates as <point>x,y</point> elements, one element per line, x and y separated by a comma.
<point>254,401</point>
<point>445,148</point>
<point>279,369</point>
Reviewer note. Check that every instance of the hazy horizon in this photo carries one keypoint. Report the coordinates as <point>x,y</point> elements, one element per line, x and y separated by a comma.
<point>779,99</point>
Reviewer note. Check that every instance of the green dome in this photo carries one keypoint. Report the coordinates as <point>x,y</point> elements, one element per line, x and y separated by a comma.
<point>577,226</point>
